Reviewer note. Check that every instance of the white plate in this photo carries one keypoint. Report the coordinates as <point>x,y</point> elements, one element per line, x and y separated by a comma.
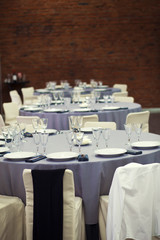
<point>110,108</point>
<point>87,129</point>
<point>62,155</point>
<point>49,131</point>
<point>82,110</point>
<point>19,155</point>
<point>4,149</point>
<point>108,152</point>
<point>33,109</point>
<point>146,144</point>
<point>54,110</point>
<point>2,143</point>
<point>42,90</point>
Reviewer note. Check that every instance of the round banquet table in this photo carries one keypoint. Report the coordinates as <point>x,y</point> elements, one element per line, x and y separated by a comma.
<point>68,92</point>
<point>59,120</point>
<point>92,178</point>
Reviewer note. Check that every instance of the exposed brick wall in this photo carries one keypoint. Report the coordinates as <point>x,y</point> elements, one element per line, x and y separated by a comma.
<point>108,40</point>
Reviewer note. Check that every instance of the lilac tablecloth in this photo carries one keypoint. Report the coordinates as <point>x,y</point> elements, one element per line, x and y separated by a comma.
<point>59,121</point>
<point>92,178</point>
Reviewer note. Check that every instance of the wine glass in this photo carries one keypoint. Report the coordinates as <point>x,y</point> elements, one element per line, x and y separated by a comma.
<point>138,129</point>
<point>5,133</point>
<point>44,141</point>
<point>36,139</point>
<point>106,135</point>
<point>128,129</point>
<point>79,120</point>
<point>96,134</point>
<point>69,137</point>
<point>55,95</point>
<point>22,127</point>
<point>36,123</point>
<point>78,136</point>
<point>44,123</point>
<point>61,97</point>
<point>72,122</point>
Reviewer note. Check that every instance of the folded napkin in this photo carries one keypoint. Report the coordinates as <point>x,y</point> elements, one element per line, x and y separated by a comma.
<point>35,159</point>
<point>133,152</point>
<point>83,158</point>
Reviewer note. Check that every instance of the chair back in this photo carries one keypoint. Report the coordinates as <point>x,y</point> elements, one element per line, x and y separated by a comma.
<point>11,111</point>
<point>134,197</point>
<point>68,204</point>
<point>123,99</point>
<point>27,120</point>
<point>139,117</point>
<point>15,97</point>
<point>123,87</point>
<point>110,125</point>
<point>27,95</point>
<point>2,124</point>
<point>120,94</point>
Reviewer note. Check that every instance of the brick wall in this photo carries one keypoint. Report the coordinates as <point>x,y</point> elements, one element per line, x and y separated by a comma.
<point>108,40</point>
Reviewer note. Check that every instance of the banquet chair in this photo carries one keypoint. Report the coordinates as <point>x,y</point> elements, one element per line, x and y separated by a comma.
<point>132,209</point>
<point>27,120</point>
<point>2,124</point>
<point>123,87</point>
<point>15,97</point>
<point>110,125</point>
<point>86,118</point>
<point>73,216</point>
<point>28,95</point>
<point>11,111</point>
<point>139,117</point>
<point>12,218</point>
<point>123,99</point>
<point>120,94</point>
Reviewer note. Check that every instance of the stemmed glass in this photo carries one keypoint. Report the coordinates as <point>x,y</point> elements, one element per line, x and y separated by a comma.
<point>138,129</point>
<point>36,138</point>
<point>5,134</point>
<point>44,141</point>
<point>36,123</point>
<point>72,122</point>
<point>78,136</point>
<point>55,95</point>
<point>69,137</point>
<point>44,123</point>
<point>79,120</point>
<point>128,129</point>
<point>61,97</point>
<point>106,135</point>
<point>96,134</point>
<point>22,127</point>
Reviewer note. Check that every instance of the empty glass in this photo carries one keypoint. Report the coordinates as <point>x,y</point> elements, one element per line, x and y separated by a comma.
<point>96,134</point>
<point>36,139</point>
<point>5,133</point>
<point>128,129</point>
<point>138,129</point>
<point>78,136</point>
<point>79,120</point>
<point>36,123</point>
<point>44,123</point>
<point>44,141</point>
<point>106,135</point>
<point>72,122</point>
<point>69,137</point>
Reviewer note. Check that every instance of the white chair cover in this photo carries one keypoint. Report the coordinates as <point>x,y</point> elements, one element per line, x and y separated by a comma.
<point>11,112</point>
<point>73,216</point>
<point>139,117</point>
<point>123,87</point>
<point>111,125</point>
<point>12,218</point>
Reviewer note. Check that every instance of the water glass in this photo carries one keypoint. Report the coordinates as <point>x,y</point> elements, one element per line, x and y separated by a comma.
<point>44,123</point>
<point>106,135</point>
<point>78,136</point>
<point>44,141</point>
<point>36,139</point>
<point>5,133</point>
<point>69,137</point>
<point>96,134</point>
<point>36,123</point>
<point>128,129</point>
<point>138,129</point>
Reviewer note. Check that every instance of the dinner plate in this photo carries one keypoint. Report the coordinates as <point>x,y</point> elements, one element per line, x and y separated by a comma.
<point>145,144</point>
<point>54,110</point>
<point>62,155</point>
<point>49,131</point>
<point>42,90</point>
<point>82,110</point>
<point>110,108</point>
<point>110,152</point>
<point>4,149</point>
<point>87,129</point>
<point>19,155</point>
<point>2,143</point>
<point>33,109</point>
